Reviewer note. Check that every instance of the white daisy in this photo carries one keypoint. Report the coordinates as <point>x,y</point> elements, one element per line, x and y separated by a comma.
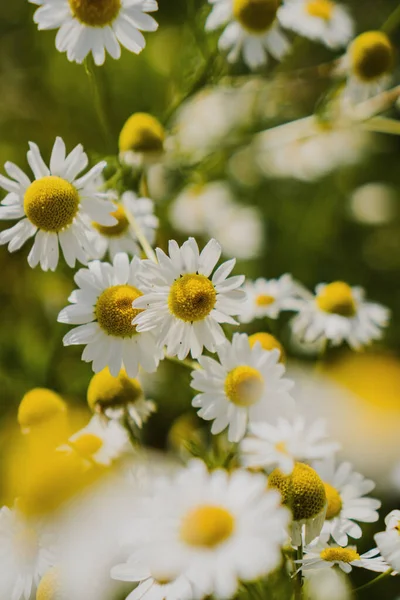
<point>26,553</point>
<point>320,20</point>
<point>54,207</point>
<point>268,297</point>
<point>252,29</point>
<point>388,541</point>
<point>102,307</point>
<point>100,27</point>
<point>338,313</point>
<point>182,304</point>
<point>270,446</point>
<point>214,528</point>
<point>345,491</point>
<point>244,383</point>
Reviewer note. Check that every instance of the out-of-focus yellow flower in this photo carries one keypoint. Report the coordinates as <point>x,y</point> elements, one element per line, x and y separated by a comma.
<point>185,431</point>
<point>268,342</point>
<point>141,139</point>
<point>49,587</point>
<point>39,407</point>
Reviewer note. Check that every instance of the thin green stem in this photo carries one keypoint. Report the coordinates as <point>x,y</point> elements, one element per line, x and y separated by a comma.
<point>374,581</point>
<point>298,591</point>
<point>392,21</point>
<point>99,103</point>
<point>146,247</point>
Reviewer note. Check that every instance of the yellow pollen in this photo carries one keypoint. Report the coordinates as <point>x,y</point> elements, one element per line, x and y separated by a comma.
<point>346,555</point>
<point>372,55</point>
<point>192,297</point>
<point>39,406</point>
<point>334,501</point>
<point>95,13</point>
<point>106,391</point>
<point>49,587</point>
<point>244,385</point>
<point>142,133</point>
<point>207,526</point>
<point>256,16</point>
<point>268,342</point>
<point>323,9</point>
<point>119,228</point>
<point>87,444</point>
<point>302,491</point>
<point>398,527</point>
<point>337,298</point>
<point>51,203</point>
<point>114,311</point>
<point>264,300</point>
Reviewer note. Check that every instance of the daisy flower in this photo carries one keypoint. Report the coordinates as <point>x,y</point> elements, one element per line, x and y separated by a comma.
<point>252,29</point>
<point>321,555</point>
<point>98,27</point>
<point>268,297</point>
<point>215,528</point>
<point>339,313</point>
<point>102,307</point>
<point>54,207</point>
<point>280,446</point>
<point>245,382</point>
<point>268,342</point>
<point>320,20</point>
<point>388,541</point>
<point>141,141</point>
<point>182,303</point>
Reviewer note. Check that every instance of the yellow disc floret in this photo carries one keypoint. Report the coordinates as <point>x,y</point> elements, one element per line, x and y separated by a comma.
<point>207,526</point>
<point>119,228</point>
<point>142,133</point>
<point>192,297</point>
<point>40,406</point>
<point>49,587</point>
<point>244,385</point>
<point>346,555</point>
<point>106,391</point>
<point>114,311</point>
<point>51,203</point>
<point>372,55</point>
<point>337,298</point>
<point>95,13</point>
<point>264,300</point>
<point>334,501</point>
<point>256,16</point>
<point>268,342</point>
<point>87,444</point>
<point>302,491</point>
<point>322,9</point>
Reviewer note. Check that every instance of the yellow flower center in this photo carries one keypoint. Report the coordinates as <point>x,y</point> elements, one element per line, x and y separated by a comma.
<point>142,133</point>
<point>372,55</point>
<point>281,447</point>
<point>192,297</point>
<point>244,385</point>
<point>49,587</point>
<point>107,391</point>
<point>337,298</point>
<point>114,311</point>
<point>95,13</point>
<point>51,203</point>
<point>119,228</point>
<point>207,526</point>
<point>322,9</point>
<point>346,555</point>
<point>268,342</point>
<point>264,300</point>
<point>87,444</point>
<point>334,501</point>
<point>256,16</point>
<point>302,491</point>
<point>40,406</point>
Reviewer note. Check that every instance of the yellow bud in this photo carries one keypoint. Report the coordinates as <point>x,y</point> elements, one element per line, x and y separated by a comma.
<point>40,406</point>
<point>142,133</point>
<point>267,342</point>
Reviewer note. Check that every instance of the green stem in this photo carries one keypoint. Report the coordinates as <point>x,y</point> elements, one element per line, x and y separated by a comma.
<point>298,591</point>
<point>146,247</point>
<point>96,89</point>
<point>392,21</point>
<point>374,581</point>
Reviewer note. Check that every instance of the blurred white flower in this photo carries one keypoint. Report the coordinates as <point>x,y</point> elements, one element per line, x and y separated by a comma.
<point>388,541</point>
<point>329,584</point>
<point>268,297</point>
<point>374,204</point>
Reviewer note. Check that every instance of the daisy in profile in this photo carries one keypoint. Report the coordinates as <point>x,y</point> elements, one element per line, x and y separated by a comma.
<point>55,207</point>
<point>345,491</point>
<point>98,27</point>
<point>102,307</point>
<point>141,140</point>
<point>320,20</point>
<point>388,541</point>
<point>121,237</point>
<point>269,446</point>
<point>339,313</point>
<point>251,29</point>
<point>182,303</point>
<point>244,383</point>
<point>268,297</point>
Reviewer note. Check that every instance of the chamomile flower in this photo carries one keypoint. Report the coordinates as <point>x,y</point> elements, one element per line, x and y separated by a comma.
<point>182,303</point>
<point>320,554</point>
<point>244,383</point>
<point>102,307</point>
<point>339,313</point>
<point>268,297</point>
<point>121,237</point>
<point>252,29</point>
<point>282,445</point>
<point>86,27</point>
<point>268,342</point>
<point>320,20</point>
<point>54,207</point>
<point>141,141</point>
<point>388,541</point>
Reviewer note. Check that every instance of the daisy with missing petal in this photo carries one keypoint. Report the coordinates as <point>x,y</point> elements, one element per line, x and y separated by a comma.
<point>345,491</point>
<point>102,307</point>
<point>252,29</point>
<point>268,297</point>
<point>246,382</point>
<point>338,313</point>
<point>321,555</point>
<point>55,207</point>
<point>182,303</point>
<point>320,20</point>
<point>98,27</point>
<point>388,541</point>
<point>269,446</point>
